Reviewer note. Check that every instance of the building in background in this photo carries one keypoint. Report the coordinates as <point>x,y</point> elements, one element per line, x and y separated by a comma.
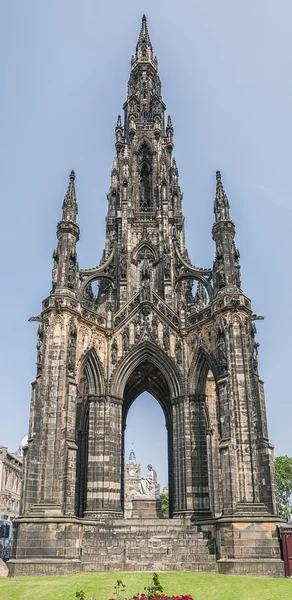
<point>132,480</point>
<point>10,483</point>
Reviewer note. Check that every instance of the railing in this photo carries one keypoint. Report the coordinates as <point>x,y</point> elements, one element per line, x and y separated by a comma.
<point>145,216</point>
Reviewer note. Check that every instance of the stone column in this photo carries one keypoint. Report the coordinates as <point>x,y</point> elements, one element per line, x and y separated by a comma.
<point>104,457</point>
<point>70,450</point>
<point>179,459</point>
<point>200,482</point>
<point>227,449</point>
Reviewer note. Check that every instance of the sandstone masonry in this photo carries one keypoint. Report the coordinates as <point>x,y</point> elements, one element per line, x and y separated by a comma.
<point>146,318</point>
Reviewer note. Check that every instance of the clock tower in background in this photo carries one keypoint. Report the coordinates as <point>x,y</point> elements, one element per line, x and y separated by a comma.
<point>132,480</point>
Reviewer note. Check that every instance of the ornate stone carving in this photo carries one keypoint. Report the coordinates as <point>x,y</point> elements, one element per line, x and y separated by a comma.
<point>114,352</point>
<point>39,346</point>
<point>178,352</point>
<point>166,341</point>
<point>126,339</point>
<point>72,347</point>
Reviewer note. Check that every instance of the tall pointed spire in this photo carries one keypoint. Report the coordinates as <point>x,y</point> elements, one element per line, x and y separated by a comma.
<point>70,204</point>
<point>144,46</point>
<point>65,257</point>
<point>221,204</point>
<point>226,266</point>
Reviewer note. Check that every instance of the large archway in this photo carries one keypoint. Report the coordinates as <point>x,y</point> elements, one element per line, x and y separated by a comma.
<point>146,377</point>
<point>145,443</point>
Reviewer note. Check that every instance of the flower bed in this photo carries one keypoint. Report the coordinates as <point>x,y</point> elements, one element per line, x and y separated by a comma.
<point>153,592</point>
<point>160,597</point>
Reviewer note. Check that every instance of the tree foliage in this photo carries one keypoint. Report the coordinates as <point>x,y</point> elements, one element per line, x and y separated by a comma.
<point>283,468</point>
<point>164,505</point>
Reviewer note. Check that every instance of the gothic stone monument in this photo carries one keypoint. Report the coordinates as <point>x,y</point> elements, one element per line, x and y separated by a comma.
<point>145,326</point>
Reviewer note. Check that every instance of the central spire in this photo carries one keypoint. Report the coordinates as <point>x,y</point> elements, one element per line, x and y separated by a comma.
<point>144,46</point>
<point>144,105</point>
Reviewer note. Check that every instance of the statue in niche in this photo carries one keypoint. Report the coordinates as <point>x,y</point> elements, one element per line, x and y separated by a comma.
<point>145,269</point>
<point>145,280</point>
<point>220,275</point>
<point>72,346</point>
<point>221,353</point>
<point>123,267</point>
<point>166,264</point>
<point>236,255</point>
<point>200,299</point>
<point>178,352</point>
<point>71,275</point>
<point>146,291</point>
<point>155,326</point>
<point>55,269</point>
<point>126,340</point>
<point>255,357</point>
<point>137,324</point>
<point>166,341</point>
<point>40,349</point>
<point>114,352</point>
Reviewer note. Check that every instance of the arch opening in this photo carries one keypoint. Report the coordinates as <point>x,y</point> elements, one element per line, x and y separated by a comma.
<point>206,435</point>
<point>145,443</point>
<point>150,428</point>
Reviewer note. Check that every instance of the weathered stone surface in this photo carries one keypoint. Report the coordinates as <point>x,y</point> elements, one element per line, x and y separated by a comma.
<point>146,508</point>
<point>146,328</point>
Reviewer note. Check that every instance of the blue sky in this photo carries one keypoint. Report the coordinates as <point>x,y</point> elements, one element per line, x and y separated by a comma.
<point>226,80</point>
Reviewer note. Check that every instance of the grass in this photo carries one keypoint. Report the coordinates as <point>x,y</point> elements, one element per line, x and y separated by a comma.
<point>100,586</point>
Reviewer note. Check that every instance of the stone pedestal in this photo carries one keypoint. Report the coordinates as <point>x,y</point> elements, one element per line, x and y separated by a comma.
<point>146,508</point>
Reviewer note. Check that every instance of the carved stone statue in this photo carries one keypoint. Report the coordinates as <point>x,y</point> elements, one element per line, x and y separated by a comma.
<point>126,341</point>
<point>148,484</point>
<point>114,352</point>
<point>221,352</point>
<point>145,290</point>
<point>137,324</point>
<point>40,349</point>
<point>178,352</point>
<point>166,342</point>
<point>155,326</point>
<point>166,265</point>
<point>72,346</point>
<point>123,267</point>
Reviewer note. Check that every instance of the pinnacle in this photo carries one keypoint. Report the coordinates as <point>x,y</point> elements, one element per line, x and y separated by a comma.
<point>115,164</point>
<point>221,206</point>
<point>119,122</point>
<point>70,200</point>
<point>144,42</point>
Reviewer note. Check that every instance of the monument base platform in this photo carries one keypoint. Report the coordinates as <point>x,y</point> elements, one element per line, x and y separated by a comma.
<point>229,545</point>
<point>149,508</point>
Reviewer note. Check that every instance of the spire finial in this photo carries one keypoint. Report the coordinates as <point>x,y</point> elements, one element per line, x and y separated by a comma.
<point>221,204</point>
<point>119,123</point>
<point>70,205</point>
<point>144,46</point>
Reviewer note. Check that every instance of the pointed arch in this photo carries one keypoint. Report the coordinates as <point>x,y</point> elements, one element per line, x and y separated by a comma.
<point>144,243</point>
<point>91,368</point>
<point>144,140</point>
<point>202,362</point>
<point>150,352</point>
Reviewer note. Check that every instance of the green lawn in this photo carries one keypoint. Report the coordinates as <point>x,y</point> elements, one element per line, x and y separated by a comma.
<point>100,586</point>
